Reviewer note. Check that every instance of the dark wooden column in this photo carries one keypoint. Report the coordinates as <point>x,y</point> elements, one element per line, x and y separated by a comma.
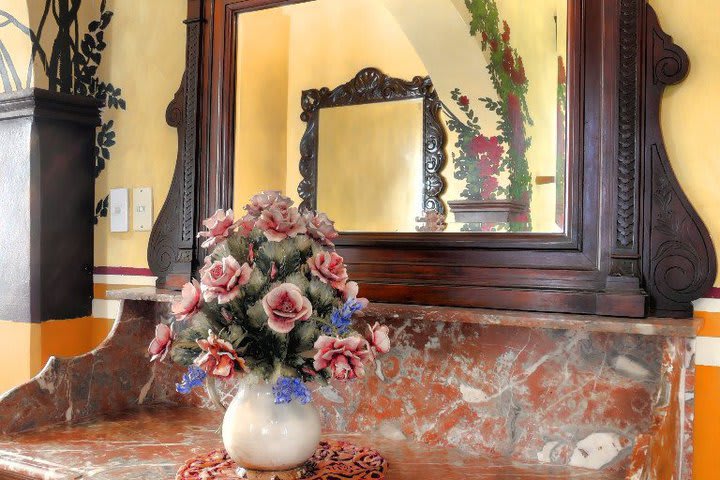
<point>172,241</point>
<point>46,204</point>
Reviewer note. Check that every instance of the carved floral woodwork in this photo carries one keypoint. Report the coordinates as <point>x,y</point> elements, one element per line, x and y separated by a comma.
<point>370,85</point>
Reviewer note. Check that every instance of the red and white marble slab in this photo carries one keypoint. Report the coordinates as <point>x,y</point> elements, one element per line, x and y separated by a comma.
<point>154,443</point>
<point>499,387</point>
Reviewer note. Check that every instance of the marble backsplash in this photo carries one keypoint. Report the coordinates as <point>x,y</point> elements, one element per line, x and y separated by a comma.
<point>537,395</point>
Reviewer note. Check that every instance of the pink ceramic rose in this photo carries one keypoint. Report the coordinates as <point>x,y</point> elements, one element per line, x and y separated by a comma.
<point>245,225</point>
<point>379,339</point>
<point>190,302</point>
<point>351,292</point>
<point>222,279</point>
<point>160,345</point>
<point>219,358</point>
<point>320,227</point>
<point>219,226</point>
<point>280,223</point>
<point>346,357</point>
<point>264,200</point>
<point>329,268</point>
<point>284,305</point>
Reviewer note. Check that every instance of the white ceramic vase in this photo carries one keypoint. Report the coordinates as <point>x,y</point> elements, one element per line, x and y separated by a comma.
<point>261,435</point>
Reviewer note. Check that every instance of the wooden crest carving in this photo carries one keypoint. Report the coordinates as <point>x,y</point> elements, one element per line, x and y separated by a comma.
<point>170,249</point>
<point>679,263</point>
<point>371,85</point>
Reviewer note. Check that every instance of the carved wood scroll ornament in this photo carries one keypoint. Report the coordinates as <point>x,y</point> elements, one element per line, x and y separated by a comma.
<point>370,85</point>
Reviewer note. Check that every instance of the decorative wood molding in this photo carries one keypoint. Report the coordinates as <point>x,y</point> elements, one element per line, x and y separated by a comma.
<point>628,106</point>
<point>370,85</point>
<point>172,241</point>
<point>40,103</point>
<point>679,262</point>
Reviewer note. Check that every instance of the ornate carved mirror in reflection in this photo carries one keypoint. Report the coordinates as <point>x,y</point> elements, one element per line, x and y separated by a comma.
<point>372,153</point>
<point>391,130</point>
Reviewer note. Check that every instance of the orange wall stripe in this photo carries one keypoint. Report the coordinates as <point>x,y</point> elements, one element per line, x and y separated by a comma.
<point>711,324</point>
<point>706,462</point>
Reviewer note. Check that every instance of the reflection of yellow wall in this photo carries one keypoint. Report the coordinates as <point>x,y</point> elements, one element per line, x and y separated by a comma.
<point>262,91</point>
<point>330,42</point>
<point>455,60</point>
<point>326,44</point>
<point>539,42</point>
<point>372,154</point>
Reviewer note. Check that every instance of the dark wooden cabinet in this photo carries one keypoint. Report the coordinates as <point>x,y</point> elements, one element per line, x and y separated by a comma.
<point>46,205</point>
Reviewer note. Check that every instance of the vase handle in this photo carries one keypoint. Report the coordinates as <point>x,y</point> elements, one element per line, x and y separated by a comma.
<point>213,393</point>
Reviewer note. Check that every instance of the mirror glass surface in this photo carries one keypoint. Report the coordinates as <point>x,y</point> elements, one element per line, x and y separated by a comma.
<point>497,66</point>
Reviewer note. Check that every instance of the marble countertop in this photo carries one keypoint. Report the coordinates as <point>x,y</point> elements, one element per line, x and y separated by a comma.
<point>154,443</point>
<point>669,327</point>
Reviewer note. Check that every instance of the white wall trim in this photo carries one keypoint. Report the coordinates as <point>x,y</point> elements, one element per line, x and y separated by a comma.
<point>707,351</point>
<point>105,308</point>
<point>139,280</point>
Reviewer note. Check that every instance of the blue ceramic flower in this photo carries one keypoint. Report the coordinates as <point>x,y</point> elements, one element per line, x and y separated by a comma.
<point>341,318</point>
<point>288,388</point>
<point>195,377</point>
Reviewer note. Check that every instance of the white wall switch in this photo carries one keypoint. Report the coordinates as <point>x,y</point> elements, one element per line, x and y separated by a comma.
<point>119,210</point>
<point>142,209</point>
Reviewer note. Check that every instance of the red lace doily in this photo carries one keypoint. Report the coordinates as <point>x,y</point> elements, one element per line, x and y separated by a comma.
<point>331,461</point>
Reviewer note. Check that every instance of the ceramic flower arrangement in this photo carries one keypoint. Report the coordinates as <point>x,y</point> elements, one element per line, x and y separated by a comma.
<point>274,300</point>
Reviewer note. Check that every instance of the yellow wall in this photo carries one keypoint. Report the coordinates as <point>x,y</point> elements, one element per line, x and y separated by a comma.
<point>309,51</point>
<point>20,352</point>
<point>262,94</point>
<point>690,109</point>
<point>17,45</point>
<point>145,58</point>
<point>389,145</point>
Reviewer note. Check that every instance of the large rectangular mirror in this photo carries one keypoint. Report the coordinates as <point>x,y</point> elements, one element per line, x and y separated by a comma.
<point>545,182</point>
<point>490,75</point>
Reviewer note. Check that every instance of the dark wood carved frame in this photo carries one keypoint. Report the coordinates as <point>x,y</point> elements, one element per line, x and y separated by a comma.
<point>633,245</point>
<point>370,85</point>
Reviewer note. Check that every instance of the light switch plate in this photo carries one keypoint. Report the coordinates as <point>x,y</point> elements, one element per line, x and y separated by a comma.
<point>119,210</point>
<point>142,209</point>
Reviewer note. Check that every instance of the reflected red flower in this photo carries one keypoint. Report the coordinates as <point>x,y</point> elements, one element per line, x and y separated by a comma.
<point>508,62</point>
<point>518,75</point>
<point>489,146</point>
<point>506,32</point>
<point>490,184</point>
<point>517,141</point>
